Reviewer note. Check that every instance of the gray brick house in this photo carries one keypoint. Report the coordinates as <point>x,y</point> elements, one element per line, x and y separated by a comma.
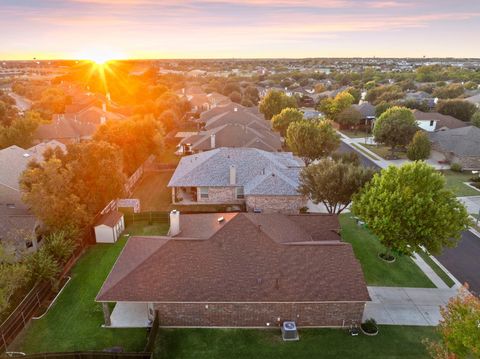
<point>266,181</point>
<point>238,270</point>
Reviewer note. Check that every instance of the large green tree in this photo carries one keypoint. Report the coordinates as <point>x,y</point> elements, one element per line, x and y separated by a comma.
<point>395,127</point>
<point>20,131</point>
<point>281,121</point>
<point>420,147</point>
<point>463,110</point>
<point>311,140</point>
<point>332,107</point>
<point>274,102</point>
<point>350,117</point>
<point>333,183</point>
<point>409,207</point>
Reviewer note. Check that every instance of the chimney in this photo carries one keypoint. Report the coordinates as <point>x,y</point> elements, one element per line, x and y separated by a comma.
<point>212,140</point>
<point>104,107</point>
<point>174,223</point>
<point>235,109</point>
<point>103,119</point>
<point>233,175</point>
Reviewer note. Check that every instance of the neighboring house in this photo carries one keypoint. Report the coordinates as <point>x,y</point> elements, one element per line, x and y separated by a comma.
<point>17,223</point>
<point>199,102</point>
<point>459,145</point>
<point>234,114</point>
<point>217,99</point>
<point>434,121</point>
<point>261,180</point>
<point>238,270</point>
<point>109,227</point>
<point>74,127</point>
<point>367,110</point>
<point>231,135</point>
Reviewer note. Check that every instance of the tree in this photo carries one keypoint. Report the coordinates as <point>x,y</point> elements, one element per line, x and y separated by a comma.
<point>356,94</point>
<point>251,93</point>
<point>20,131</point>
<point>333,107</point>
<point>409,207</point>
<point>235,97</point>
<point>137,138</point>
<point>42,266</point>
<point>47,190</point>
<point>458,328</point>
<point>395,127</point>
<point>385,93</point>
<point>476,119</point>
<point>449,91</point>
<point>311,140</point>
<point>382,107</point>
<point>274,102</point>
<point>420,147</point>
<point>333,183</point>
<point>350,117</point>
<point>52,100</point>
<point>13,276</point>
<point>463,110</point>
<point>281,121</point>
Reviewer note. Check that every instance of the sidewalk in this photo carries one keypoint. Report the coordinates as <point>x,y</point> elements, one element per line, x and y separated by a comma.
<point>407,306</point>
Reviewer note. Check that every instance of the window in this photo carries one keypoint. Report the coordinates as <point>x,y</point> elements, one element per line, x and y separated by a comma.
<point>203,192</point>
<point>431,123</point>
<point>240,194</point>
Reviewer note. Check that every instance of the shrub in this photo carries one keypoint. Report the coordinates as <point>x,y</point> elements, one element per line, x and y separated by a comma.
<point>456,167</point>
<point>43,266</point>
<point>370,326</point>
<point>60,245</point>
<point>420,147</point>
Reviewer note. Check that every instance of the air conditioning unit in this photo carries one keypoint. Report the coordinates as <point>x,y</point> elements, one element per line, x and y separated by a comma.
<point>289,331</point>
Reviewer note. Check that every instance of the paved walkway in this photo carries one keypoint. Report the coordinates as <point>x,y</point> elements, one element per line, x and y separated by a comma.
<point>129,315</point>
<point>407,306</point>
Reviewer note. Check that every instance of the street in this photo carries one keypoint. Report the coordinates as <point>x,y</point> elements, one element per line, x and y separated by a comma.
<point>22,103</point>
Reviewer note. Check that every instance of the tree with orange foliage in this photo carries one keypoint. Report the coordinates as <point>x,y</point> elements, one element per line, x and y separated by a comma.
<point>459,328</point>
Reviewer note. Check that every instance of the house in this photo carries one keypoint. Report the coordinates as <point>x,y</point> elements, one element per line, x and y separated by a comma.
<point>367,110</point>
<point>233,114</point>
<point>74,127</point>
<point>459,145</point>
<point>238,270</point>
<point>434,121</point>
<point>260,180</point>
<point>109,227</point>
<point>217,99</point>
<point>232,135</point>
<point>16,220</point>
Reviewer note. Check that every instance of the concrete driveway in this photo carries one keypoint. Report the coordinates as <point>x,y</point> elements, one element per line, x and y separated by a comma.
<point>407,306</point>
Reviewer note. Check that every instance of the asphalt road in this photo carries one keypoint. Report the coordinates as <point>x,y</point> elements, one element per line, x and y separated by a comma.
<point>463,261</point>
<point>22,103</point>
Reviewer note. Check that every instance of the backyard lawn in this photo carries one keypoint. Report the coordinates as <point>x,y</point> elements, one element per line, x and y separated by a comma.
<point>402,273</point>
<point>391,342</point>
<point>143,228</point>
<point>153,192</point>
<point>455,183</point>
<point>74,322</point>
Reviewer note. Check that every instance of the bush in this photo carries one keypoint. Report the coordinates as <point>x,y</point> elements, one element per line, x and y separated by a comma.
<point>476,119</point>
<point>456,167</point>
<point>420,147</point>
<point>475,179</point>
<point>304,210</point>
<point>43,266</point>
<point>60,245</point>
<point>370,326</point>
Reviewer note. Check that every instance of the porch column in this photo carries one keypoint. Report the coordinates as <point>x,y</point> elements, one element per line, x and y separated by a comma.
<point>106,314</point>
<point>173,195</point>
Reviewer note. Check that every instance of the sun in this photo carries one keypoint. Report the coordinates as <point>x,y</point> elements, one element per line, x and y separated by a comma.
<point>101,56</point>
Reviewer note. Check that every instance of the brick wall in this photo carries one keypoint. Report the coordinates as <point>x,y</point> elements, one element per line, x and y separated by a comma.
<point>258,314</point>
<point>222,195</point>
<point>276,204</point>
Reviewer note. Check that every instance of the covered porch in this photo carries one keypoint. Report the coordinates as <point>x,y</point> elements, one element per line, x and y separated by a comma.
<point>128,315</point>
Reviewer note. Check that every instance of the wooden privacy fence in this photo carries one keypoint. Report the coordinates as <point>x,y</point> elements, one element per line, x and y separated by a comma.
<point>89,355</point>
<point>14,324</point>
<point>150,217</point>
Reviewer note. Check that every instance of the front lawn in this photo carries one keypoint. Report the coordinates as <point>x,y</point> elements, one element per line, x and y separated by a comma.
<point>355,134</point>
<point>385,151</point>
<point>402,273</point>
<point>74,322</point>
<point>153,192</point>
<point>454,181</point>
<point>391,342</point>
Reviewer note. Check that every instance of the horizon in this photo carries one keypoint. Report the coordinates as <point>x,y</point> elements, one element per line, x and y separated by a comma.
<point>226,29</point>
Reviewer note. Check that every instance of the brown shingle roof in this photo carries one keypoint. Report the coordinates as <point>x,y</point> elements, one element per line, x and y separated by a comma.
<point>240,262</point>
<point>109,219</point>
<point>443,121</point>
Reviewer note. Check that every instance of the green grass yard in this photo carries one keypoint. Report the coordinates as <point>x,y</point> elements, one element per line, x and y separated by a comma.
<point>392,342</point>
<point>143,228</point>
<point>74,322</point>
<point>385,151</point>
<point>355,134</point>
<point>153,192</point>
<point>402,273</point>
<point>454,181</point>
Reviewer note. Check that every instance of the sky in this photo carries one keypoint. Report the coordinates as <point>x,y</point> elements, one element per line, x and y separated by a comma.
<point>77,29</point>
